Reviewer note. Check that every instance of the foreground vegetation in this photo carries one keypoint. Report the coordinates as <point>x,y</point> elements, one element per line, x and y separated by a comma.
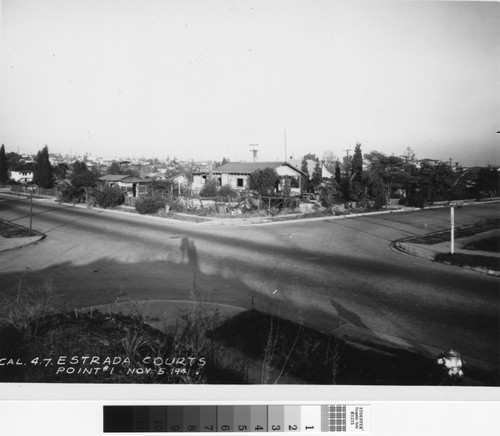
<point>43,340</point>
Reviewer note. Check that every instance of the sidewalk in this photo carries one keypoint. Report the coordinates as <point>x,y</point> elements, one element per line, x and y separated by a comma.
<point>429,251</point>
<point>243,221</point>
<point>12,243</point>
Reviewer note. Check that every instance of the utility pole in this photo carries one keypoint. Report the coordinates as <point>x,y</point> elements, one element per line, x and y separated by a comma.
<point>254,151</point>
<point>347,152</point>
<point>31,210</point>
<point>285,149</point>
<point>452,220</point>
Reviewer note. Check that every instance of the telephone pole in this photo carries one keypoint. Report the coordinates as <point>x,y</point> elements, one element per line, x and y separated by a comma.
<point>285,149</point>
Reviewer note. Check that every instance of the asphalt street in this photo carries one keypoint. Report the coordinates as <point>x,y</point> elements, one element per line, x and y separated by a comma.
<point>332,274</point>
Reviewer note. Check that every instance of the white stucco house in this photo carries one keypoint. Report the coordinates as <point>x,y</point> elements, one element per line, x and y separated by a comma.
<point>22,176</point>
<point>237,175</point>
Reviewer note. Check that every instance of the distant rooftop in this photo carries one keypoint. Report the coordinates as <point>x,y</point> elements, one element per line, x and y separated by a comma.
<point>121,178</point>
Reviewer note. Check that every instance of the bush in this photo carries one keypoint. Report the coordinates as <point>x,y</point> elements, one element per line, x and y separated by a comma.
<point>209,189</point>
<point>110,197</point>
<point>23,306</point>
<point>264,181</point>
<point>150,204</point>
<point>416,200</point>
<point>227,191</point>
<point>329,195</point>
<point>177,206</point>
<point>159,187</point>
<point>72,194</point>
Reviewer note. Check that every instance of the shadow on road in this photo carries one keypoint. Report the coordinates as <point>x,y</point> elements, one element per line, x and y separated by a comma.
<point>347,315</point>
<point>107,281</point>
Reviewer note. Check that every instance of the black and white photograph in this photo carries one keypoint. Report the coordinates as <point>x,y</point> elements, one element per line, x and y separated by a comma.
<point>250,192</point>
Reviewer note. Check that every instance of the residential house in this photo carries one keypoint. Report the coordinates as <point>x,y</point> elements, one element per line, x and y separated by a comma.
<point>237,175</point>
<point>180,179</point>
<point>22,176</point>
<point>311,165</point>
<point>131,185</point>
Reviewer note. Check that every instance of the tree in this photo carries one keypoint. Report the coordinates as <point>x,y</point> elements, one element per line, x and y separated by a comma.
<point>442,179</point>
<point>409,156</point>
<point>357,164</point>
<point>82,176</point>
<point>60,171</point>
<point>386,173</point>
<point>4,166</point>
<point>338,173</point>
<point>310,156</point>
<point>209,189</point>
<point>316,178</point>
<point>304,180</point>
<point>13,159</point>
<point>488,182</point>
<point>42,175</point>
<point>114,168</point>
<point>224,162</point>
<point>264,181</point>
<point>330,195</point>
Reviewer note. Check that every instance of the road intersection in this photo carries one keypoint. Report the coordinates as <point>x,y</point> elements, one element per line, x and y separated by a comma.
<point>337,275</point>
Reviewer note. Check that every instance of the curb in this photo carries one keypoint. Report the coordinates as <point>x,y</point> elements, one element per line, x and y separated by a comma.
<point>213,221</point>
<point>37,238</point>
<point>415,250</point>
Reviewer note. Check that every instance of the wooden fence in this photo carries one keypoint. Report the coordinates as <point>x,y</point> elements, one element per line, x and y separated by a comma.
<point>26,189</point>
<point>243,203</point>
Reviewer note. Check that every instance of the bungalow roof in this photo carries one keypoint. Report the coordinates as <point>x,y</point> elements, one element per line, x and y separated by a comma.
<point>250,167</point>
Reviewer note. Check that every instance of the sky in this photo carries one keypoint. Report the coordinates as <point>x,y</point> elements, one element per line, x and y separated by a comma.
<point>203,80</point>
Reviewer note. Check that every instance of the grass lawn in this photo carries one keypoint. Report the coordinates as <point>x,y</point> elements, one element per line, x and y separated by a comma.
<point>9,230</point>
<point>469,260</point>
<point>491,244</point>
<point>436,238</point>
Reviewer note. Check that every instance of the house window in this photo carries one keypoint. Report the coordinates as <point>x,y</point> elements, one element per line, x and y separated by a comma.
<point>239,182</point>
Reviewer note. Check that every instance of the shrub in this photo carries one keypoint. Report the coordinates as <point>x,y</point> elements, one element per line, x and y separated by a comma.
<point>329,195</point>
<point>72,194</point>
<point>209,189</point>
<point>149,204</point>
<point>416,200</point>
<point>22,307</point>
<point>227,191</point>
<point>110,196</point>
<point>264,181</point>
<point>159,187</point>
